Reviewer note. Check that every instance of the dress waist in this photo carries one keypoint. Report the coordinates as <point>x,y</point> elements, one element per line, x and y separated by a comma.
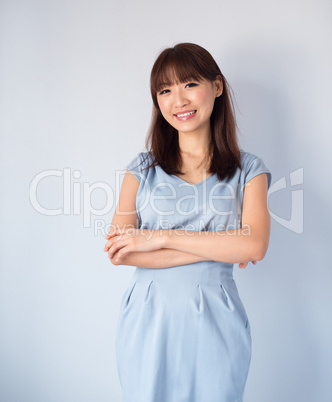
<point>203,273</point>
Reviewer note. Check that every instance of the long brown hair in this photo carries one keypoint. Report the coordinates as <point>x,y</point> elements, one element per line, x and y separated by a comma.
<point>182,63</point>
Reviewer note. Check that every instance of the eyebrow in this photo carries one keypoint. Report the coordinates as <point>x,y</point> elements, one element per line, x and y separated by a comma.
<point>168,84</point>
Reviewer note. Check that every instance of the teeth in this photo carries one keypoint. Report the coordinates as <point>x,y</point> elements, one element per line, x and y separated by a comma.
<point>186,114</point>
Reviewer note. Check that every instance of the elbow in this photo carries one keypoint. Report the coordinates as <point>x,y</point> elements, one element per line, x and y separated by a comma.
<point>259,250</point>
<point>259,256</point>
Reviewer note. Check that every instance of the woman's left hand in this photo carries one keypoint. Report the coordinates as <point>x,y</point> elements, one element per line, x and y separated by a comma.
<point>244,264</point>
<point>129,240</point>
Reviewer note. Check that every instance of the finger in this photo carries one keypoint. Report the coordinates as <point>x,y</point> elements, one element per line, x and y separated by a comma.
<point>114,255</point>
<point>110,235</point>
<point>112,241</point>
<point>115,232</point>
<point>121,231</point>
<point>115,247</point>
<point>108,245</point>
<point>112,250</point>
<point>123,252</point>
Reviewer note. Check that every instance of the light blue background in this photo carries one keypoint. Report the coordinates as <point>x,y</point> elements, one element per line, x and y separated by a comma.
<point>74,93</point>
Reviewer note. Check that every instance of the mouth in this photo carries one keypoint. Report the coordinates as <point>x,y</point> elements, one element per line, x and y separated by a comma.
<point>185,115</point>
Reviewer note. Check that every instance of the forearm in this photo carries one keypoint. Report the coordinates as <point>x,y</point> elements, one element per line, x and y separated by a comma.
<point>162,258</point>
<point>231,246</point>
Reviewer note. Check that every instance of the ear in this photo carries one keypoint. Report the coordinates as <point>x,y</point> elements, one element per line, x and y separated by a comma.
<point>218,83</point>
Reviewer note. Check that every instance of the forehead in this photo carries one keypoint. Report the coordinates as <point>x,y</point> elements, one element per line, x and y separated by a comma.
<point>172,75</point>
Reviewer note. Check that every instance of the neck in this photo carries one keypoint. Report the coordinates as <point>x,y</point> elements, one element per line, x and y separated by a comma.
<point>195,143</point>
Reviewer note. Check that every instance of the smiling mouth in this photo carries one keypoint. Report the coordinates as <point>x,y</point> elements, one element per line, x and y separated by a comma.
<point>186,114</point>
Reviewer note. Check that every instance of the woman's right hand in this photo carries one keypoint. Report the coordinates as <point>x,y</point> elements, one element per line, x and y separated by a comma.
<point>244,264</point>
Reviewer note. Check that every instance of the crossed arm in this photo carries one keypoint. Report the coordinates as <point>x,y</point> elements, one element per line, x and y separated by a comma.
<point>162,258</point>
<point>167,248</point>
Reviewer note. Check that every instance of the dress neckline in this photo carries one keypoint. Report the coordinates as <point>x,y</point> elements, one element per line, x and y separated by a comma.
<point>185,182</point>
<point>196,184</point>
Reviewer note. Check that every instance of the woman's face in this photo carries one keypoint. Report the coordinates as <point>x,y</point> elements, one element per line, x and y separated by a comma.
<point>188,106</point>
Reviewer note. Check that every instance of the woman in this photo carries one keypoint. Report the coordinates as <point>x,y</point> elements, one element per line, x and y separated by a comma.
<point>189,208</point>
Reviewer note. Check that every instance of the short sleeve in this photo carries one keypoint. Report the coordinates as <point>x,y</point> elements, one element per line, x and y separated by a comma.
<point>134,166</point>
<point>139,165</point>
<point>256,166</point>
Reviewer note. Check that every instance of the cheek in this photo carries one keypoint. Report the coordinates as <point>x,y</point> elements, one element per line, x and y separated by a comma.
<point>163,108</point>
<point>207,99</point>
<point>205,96</point>
<point>162,104</point>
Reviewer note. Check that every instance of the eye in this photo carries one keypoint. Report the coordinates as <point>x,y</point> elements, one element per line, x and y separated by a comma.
<point>191,84</point>
<point>164,91</point>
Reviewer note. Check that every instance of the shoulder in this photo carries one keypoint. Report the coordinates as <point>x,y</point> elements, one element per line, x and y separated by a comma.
<point>138,163</point>
<point>253,165</point>
<point>141,158</point>
<point>247,157</point>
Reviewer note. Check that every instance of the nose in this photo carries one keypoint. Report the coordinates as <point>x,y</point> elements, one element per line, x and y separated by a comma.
<point>180,99</point>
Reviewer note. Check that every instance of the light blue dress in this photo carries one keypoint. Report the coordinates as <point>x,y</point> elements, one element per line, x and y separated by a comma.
<point>183,334</point>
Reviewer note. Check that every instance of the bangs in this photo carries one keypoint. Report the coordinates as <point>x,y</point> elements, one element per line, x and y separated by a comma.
<point>176,67</point>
